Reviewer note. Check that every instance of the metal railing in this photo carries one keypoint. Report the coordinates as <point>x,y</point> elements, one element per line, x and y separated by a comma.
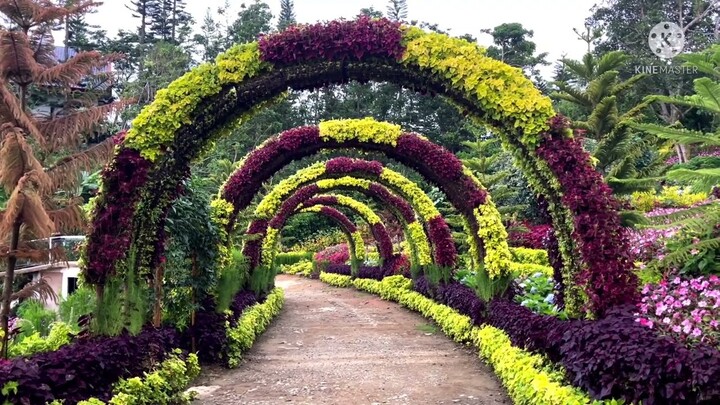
<point>61,251</point>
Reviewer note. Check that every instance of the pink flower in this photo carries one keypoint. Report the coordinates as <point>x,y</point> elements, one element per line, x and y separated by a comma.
<point>702,304</point>
<point>696,332</point>
<point>694,252</point>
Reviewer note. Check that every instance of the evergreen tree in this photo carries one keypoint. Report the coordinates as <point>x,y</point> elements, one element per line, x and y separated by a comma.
<point>252,21</point>
<point>287,15</point>
<point>42,151</point>
<point>169,22</point>
<point>513,46</point>
<point>397,10</point>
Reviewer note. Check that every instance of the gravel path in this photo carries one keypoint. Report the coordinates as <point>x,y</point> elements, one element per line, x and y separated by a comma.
<point>342,346</point>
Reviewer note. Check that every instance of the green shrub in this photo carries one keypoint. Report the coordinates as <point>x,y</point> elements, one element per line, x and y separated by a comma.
<point>290,258</point>
<point>232,279</point>
<point>35,318</point>
<point>302,268</point>
<point>164,386</point>
<point>79,303</point>
<point>60,334</point>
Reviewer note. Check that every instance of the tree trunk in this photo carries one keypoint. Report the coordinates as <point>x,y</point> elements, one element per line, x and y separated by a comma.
<point>8,286</point>
<point>193,299</point>
<point>158,285</point>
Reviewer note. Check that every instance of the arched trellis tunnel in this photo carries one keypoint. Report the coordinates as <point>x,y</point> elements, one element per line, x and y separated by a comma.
<point>305,198</point>
<point>143,179</point>
<point>356,245</point>
<point>321,176</point>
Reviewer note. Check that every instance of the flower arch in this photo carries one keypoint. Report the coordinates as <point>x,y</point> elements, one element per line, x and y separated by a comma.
<point>359,175</point>
<point>206,102</point>
<point>296,202</point>
<point>356,245</point>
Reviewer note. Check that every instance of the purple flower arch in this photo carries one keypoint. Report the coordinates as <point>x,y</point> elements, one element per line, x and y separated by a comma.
<point>438,231</point>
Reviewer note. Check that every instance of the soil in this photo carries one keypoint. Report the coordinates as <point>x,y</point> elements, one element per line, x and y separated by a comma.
<point>342,346</point>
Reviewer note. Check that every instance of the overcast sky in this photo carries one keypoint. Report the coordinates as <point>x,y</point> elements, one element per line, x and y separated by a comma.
<point>552,21</point>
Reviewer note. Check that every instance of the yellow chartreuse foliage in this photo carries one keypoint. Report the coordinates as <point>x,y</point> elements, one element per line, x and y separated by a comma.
<point>528,269</point>
<point>359,245</point>
<point>507,98</point>
<point>529,378</point>
<point>164,386</point>
<point>530,256</point>
<point>346,181</point>
<point>267,208</point>
<point>337,280</point>
<point>526,376</point>
<point>417,233</point>
<point>251,324</point>
<point>363,130</point>
<point>220,212</point>
<point>314,208</point>
<point>368,214</point>
<point>303,268</point>
<point>154,128</point>
<point>421,202</point>
<point>269,245</point>
<point>240,62</point>
<point>493,233</point>
<point>674,196</point>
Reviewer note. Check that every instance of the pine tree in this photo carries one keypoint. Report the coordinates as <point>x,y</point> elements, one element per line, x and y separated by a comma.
<point>593,86</point>
<point>287,15</point>
<point>397,10</point>
<point>42,151</point>
<point>169,21</point>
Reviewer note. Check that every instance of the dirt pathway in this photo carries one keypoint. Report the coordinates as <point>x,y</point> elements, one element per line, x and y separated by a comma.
<point>342,346</point>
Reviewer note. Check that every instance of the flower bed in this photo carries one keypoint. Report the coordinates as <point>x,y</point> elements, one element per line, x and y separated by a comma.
<point>253,321</point>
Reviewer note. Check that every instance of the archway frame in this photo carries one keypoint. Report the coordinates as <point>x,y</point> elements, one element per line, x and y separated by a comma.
<point>210,99</point>
<point>295,203</point>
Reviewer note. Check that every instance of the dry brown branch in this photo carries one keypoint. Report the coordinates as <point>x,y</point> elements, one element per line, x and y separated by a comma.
<point>65,173</point>
<point>70,130</point>
<point>68,219</point>
<point>40,290</point>
<point>16,159</point>
<point>22,119</point>
<point>70,72</point>
<point>26,205</point>
<point>17,63</point>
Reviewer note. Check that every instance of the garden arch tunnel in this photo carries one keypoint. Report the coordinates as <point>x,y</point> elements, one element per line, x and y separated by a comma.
<point>356,245</point>
<point>308,195</point>
<point>375,177</point>
<point>167,135</point>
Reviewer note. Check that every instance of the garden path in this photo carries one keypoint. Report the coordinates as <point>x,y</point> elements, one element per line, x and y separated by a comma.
<point>342,346</point>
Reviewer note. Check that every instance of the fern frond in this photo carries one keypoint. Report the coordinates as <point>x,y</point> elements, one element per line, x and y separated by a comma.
<point>679,135</point>
<point>701,179</point>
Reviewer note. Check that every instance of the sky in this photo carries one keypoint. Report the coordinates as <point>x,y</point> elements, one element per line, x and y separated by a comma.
<point>552,21</point>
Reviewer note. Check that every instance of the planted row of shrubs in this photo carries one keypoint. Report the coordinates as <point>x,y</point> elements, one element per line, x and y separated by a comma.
<point>612,357</point>
<point>108,369</point>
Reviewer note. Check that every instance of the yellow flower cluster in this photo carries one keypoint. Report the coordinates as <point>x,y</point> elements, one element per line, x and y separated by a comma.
<point>494,235</point>
<point>271,203</point>
<point>364,130</point>
<point>417,234</point>
<point>502,92</point>
<point>420,201</point>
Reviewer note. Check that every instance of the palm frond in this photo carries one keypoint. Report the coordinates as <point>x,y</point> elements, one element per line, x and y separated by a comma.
<point>70,129</point>
<point>25,205</point>
<point>19,116</point>
<point>679,135</point>
<point>40,290</point>
<point>701,179</point>
<point>627,186</point>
